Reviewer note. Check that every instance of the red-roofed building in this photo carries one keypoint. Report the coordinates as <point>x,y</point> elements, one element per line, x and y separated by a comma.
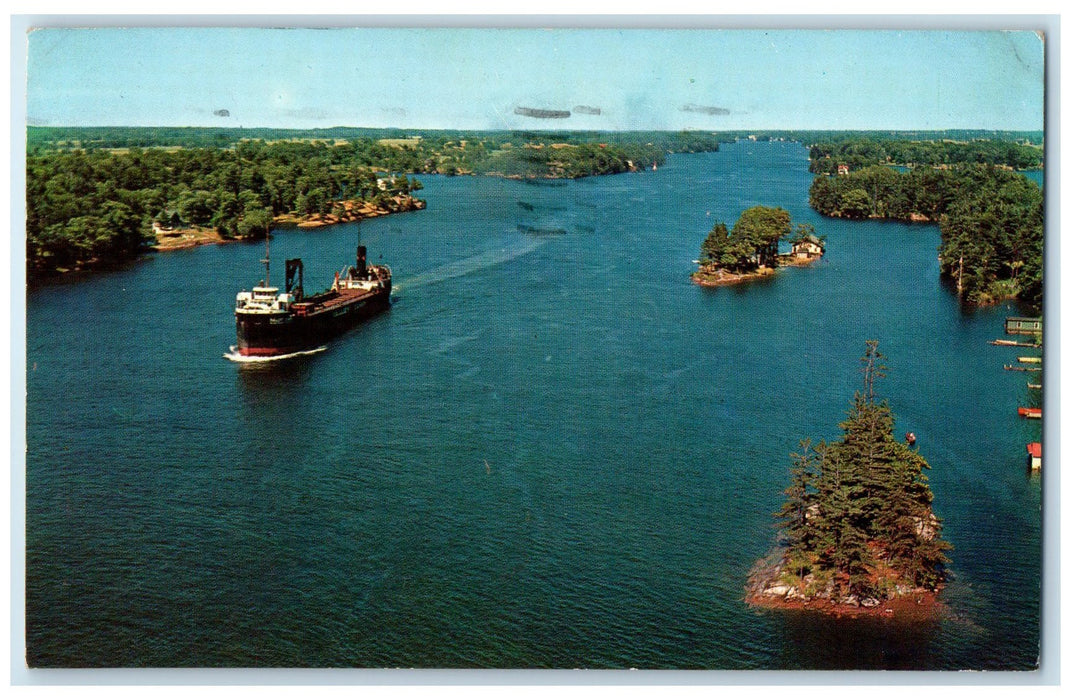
<point>1034,450</point>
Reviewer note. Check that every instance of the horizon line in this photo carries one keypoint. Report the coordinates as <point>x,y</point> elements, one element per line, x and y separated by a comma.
<point>532,128</point>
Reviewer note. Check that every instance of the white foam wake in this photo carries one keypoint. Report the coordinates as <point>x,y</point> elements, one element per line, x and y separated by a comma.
<point>470,264</point>
<point>235,356</point>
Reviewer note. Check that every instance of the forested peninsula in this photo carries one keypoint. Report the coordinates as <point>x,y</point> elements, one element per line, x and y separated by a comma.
<point>991,217</point>
<point>97,208</point>
<point>858,531</point>
<point>101,196</point>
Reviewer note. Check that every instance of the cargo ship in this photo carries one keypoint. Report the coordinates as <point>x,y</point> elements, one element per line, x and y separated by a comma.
<point>273,323</point>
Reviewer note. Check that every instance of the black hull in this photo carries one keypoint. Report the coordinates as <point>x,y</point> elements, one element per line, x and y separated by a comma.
<point>263,335</point>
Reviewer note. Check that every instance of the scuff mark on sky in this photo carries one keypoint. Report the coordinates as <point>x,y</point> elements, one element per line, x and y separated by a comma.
<point>716,111</point>
<point>539,113</point>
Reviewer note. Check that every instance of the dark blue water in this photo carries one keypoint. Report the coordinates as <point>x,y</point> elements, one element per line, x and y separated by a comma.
<point>553,451</point>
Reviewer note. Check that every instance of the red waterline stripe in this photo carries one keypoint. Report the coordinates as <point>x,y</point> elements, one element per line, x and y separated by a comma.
<point>265,352</point>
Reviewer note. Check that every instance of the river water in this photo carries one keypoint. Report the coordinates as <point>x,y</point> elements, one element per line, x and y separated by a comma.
<point>554,451</point>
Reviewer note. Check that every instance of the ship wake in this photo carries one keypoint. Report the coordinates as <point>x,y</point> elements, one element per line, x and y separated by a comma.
<point>468,265</point>
<point>234,356</point>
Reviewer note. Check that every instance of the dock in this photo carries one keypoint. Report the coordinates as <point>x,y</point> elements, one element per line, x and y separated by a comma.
<point>1020,325</point>
<point>1020,368</point>
<point>1014,344</point>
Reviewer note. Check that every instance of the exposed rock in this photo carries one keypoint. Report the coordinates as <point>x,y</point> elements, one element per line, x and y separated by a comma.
<point>779,590</point>
<point>709,276</point>
<point>927,529</point>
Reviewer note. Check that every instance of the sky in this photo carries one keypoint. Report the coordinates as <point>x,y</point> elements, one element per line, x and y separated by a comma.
<point>495,78</point>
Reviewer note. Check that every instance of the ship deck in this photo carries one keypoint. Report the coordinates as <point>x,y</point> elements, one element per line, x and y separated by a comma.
<point>342,298</point>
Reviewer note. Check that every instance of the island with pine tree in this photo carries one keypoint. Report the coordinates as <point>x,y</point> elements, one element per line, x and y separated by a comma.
<point>858,532</point>
<point>750,250</point>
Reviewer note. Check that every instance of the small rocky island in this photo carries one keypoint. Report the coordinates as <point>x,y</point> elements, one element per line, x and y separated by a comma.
<point>858,535</point>
<point>750,250</point>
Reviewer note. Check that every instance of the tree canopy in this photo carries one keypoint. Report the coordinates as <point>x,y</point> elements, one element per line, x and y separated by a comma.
<point>751,244</point>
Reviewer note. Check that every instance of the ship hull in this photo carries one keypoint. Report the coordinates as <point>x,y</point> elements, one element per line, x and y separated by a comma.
<point>267,335</point>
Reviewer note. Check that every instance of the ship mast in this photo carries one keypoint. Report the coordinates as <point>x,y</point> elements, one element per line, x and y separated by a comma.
<point>267,259</point>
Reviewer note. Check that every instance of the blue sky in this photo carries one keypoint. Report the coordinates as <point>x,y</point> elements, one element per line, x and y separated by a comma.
<point>487,78</point>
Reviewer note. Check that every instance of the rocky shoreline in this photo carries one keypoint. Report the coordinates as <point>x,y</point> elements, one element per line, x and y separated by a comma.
<point>793,261</point>
<point>180,239</point>
<point>355,212</point>
<point>920,606</point>
<point>767,589</point>
<point>717,277</point>
<point>711,276</point>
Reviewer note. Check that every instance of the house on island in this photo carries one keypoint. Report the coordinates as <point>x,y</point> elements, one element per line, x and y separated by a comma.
<point>166,222</point>
<point>808,248</point>
<point>842,169</point>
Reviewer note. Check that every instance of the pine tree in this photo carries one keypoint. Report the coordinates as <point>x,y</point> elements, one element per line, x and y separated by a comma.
<point>798,529</point>
<point>714,244</point>
<point>858,520</point>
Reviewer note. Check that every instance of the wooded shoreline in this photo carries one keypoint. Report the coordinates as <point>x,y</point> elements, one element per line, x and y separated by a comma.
<point>185,238</point>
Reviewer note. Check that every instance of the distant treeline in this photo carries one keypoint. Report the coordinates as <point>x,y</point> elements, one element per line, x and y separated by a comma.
<point>814,136</point>
<point>90,137</point>
<point>991,219</point>
<point>513,153</point>
<point>827,156</point>
<point>58,137</point>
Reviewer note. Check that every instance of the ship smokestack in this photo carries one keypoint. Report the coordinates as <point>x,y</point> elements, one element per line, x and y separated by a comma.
<point>362,267</point>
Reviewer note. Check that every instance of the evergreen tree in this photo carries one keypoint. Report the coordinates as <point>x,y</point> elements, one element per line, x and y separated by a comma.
<point>858,521</point>
<point>712,247</point>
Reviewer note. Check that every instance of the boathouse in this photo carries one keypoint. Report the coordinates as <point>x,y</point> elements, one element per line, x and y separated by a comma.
<point>1020,325</point>
<point>810,248</point>
<point>1034,450</point>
